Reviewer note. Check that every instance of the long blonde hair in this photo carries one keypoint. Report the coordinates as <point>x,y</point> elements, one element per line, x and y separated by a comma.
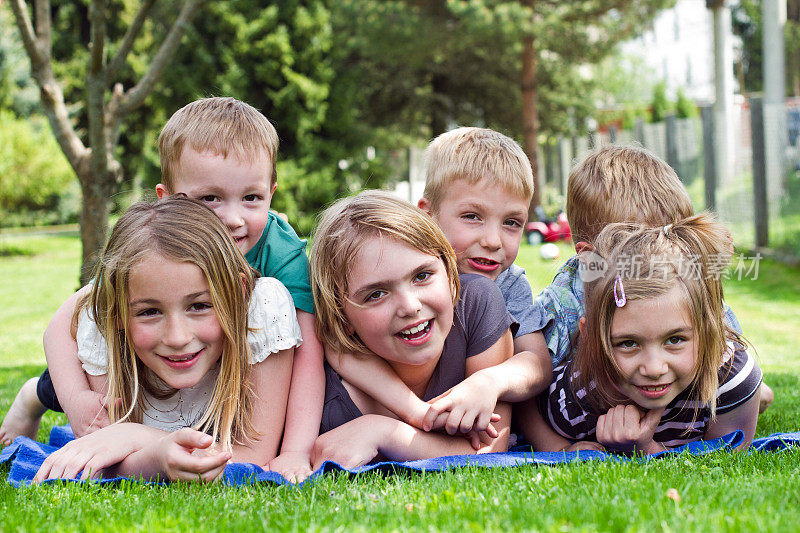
<point>184,231</point>
<point>344,228</point>
<point>689,254</point>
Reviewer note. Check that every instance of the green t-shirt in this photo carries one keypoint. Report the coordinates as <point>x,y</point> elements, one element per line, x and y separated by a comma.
<point>281,254</point>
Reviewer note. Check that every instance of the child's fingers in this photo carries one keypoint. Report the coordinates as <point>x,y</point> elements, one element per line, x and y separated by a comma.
<point>73,467</point>
<point>440,421</point>
<point>485,421</point>
<point>190,438</point>
<point>442,405</point>
<point>650,420</point>
<point>56,464</point>
<point>492,431</point>
<point>600,431</point>
<point>468,421</point>
<point>474,440</point>
<point>429,420</point>
<point>453,423</point>
<point>193,468</point>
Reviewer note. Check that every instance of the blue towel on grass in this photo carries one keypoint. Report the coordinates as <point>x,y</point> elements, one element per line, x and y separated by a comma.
<point>26,456</point>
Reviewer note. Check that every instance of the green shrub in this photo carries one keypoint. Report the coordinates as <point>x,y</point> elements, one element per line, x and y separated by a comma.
<point>37,185</point>
<point>659,106</point>
<point>684,107</point>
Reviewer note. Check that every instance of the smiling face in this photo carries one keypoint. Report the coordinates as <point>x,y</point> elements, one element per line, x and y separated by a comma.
<point>655,347</point>
<point>484,223</point>
<point>239,193</point>
<point>172,323</point>
<point>399,303</point>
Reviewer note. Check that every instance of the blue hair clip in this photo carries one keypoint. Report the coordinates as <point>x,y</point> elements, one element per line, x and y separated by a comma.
<point>619,297</point>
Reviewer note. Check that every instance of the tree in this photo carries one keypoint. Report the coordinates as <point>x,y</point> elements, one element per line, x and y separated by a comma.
<point>92,155</point>
<point>746,21</point>
<point>514,66</point>
<point>572,33</point>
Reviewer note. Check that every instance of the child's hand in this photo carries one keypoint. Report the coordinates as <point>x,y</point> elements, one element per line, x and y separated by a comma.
<point>89,413</point>
<point>293,466</point>
<point>626,428</point>
<point>466,407</point>
<point>349,445</point>
<point>190,455</point>
<point>90,454</point>
<point>414,411</point>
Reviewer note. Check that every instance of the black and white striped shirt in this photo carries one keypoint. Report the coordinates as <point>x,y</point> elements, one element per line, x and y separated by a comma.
<point>570,415</point>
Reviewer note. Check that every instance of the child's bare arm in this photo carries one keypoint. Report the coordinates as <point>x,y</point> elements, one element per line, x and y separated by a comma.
<point>360,440</point>
<point>374,376</point>
<point>536,430</point>
<point>520,377</point>
<point>744,417</point>
<point>270,381</point>
<point>527,373</point>
<point>304,412</point>
<point>83,406</point>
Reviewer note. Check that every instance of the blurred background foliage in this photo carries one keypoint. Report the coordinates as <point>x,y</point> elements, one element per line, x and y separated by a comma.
<point>349,85</point>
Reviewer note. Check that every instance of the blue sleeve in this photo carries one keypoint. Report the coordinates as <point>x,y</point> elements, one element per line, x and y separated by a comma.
<point>730,319</point>
<point>518,297</point>
<point>559,316</point>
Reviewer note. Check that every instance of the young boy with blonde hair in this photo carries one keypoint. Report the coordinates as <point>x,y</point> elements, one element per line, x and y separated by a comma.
<point>611,184</point>
<point>478,187</point>
<point>221,152</point>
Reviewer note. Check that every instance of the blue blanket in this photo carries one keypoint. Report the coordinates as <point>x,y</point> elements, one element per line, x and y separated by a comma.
<point>26,456</point>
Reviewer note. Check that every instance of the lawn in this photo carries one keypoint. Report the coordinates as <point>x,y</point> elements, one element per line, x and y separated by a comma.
<point>718,492</point>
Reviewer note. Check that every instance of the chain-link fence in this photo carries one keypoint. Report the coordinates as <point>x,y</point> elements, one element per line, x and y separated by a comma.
<point>761,212</point>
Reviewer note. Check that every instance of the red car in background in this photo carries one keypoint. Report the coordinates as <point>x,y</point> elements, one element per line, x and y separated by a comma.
<point>547,230</point>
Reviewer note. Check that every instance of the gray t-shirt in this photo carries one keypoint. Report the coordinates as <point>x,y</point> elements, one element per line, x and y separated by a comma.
<point>480,319</point>
<point>516,291</point>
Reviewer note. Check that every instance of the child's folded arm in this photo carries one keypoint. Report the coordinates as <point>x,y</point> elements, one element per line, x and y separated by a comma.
<point>469,406</point>
<point>537,431</point>
<point>270,381</point>
<point>361,440</point>
<point>528,372</point>
<point>744,417</point>
<point>82,405</point>
<point>374,376</point>
<point>304,411</point>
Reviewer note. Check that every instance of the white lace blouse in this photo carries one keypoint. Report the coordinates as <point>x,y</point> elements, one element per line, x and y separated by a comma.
<point>272,327</point>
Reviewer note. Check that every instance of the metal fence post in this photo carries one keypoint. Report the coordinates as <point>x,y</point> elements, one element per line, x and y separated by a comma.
<point>638,130</point>
<point>709,168</point>
<point>671,127</point>
<point>760,212</point>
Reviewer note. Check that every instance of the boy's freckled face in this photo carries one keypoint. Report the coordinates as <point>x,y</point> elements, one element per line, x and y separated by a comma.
<point>484,223</point>
<point>239,193</point>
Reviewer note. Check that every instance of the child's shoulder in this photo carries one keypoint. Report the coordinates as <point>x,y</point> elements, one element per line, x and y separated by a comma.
<point>474,286</point>
<point>278,231</point>
<point>480,299</point>
<point>271,320</point>
<point>566,281</point>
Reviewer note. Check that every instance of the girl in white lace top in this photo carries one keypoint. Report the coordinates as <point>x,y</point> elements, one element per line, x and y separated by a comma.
<point>197,353</point>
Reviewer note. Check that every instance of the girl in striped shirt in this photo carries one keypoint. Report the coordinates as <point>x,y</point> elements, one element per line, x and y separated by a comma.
<point>655,366</point>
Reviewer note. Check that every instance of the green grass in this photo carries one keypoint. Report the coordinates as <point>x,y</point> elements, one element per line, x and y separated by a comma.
<point>719,492</point>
